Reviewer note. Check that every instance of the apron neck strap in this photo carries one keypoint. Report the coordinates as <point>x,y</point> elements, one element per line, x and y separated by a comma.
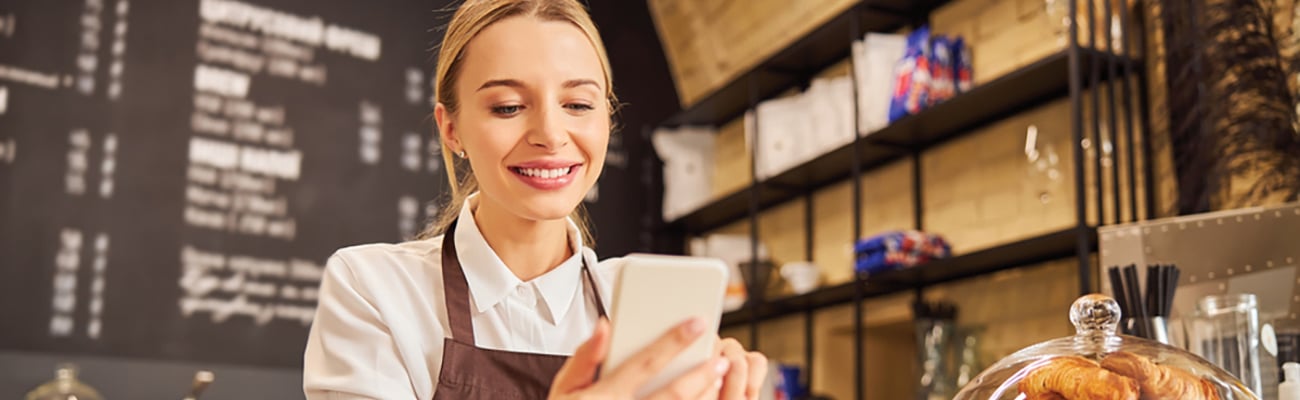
<point>456,289</point>
<point>595,291</point>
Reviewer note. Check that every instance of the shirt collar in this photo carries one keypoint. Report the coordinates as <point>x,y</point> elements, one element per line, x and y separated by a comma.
<point>490,281</point>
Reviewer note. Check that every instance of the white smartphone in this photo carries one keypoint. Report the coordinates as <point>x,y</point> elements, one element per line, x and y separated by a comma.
<point>655,293</point>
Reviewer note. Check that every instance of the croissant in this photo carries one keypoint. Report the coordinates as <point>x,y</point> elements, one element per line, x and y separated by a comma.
<point>1077,378</point>
<point>1159,382</point>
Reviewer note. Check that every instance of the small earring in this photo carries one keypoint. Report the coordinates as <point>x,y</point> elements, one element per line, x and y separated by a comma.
<point>461,154</point>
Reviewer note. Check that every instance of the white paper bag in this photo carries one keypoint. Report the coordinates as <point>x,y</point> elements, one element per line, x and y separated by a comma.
<point>873,65</point>
<point>687,154</point>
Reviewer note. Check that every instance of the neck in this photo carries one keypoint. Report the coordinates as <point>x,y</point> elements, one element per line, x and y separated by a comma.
<point>530,248</point>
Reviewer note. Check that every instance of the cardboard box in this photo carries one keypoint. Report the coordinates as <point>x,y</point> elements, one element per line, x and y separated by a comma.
<point>958,16</point>
<point>709,43</point>
<point>887,199</point>
<point>997,16</point>
<point>1015,46</point>
<point>731,166</point>
<point>780,229</point>
<point>1027,8</point>
<point>833,231</point>
<point>1000,206</point>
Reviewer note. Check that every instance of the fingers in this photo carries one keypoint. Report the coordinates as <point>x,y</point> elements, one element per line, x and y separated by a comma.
<point>734,384</point>
<point>757,374</point>
<point>580,370</point>
<point>643,366</point>
<point>748,371</point>
<point>697,383</point>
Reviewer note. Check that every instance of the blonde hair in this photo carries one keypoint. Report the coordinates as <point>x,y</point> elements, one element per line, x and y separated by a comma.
<point>471,18</point>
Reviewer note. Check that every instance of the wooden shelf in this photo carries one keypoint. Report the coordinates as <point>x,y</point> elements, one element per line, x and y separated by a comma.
<point>1017,91</point>
<point>798,62</point>
<point>1030,251</point>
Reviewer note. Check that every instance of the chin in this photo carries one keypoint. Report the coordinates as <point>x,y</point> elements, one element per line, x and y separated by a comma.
<point>547,206</point>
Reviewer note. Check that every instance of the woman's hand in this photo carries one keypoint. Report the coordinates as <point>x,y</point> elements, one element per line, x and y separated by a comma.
<point>748,371</point>
<point>576,378</point>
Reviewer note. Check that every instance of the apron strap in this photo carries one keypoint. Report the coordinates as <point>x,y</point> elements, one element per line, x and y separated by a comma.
<point>456,289</point>
<point>595,291</point>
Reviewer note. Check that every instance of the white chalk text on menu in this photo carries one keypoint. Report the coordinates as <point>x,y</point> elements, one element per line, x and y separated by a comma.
<point>242,153</point>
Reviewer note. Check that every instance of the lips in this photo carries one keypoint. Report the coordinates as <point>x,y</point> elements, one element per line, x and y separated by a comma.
<point>546,175</point>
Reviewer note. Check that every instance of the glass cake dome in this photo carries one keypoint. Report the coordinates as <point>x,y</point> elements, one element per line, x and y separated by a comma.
<point>1098,363</point>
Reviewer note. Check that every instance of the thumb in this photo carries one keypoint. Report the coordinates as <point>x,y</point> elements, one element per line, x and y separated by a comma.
<point>579,371</point>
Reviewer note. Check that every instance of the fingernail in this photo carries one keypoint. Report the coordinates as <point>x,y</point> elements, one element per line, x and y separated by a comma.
<point>695,326</point>
<point>717,384</point>
<point>722,366</point>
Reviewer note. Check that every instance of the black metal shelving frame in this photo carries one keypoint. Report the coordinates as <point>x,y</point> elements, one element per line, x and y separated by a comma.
<point>1068,73</point>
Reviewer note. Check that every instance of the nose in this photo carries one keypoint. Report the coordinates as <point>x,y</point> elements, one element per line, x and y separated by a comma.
<point>547,130</point>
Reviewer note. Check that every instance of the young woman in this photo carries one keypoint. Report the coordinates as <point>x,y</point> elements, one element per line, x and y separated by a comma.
<point>490,300</point>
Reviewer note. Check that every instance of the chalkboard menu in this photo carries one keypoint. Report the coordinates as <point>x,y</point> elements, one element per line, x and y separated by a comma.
<point>174,173</point>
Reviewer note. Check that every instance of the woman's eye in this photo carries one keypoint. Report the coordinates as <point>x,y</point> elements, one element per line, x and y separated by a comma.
<point>579,107</point>
<point>506,110</point>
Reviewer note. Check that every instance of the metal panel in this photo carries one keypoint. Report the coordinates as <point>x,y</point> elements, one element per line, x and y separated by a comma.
<point>1253,250</point>
<point>1218,254</point>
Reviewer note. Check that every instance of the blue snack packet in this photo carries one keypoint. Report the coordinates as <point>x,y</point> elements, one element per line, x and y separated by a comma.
<point>943,83</point>
<point>788,385</point>
<point>912,77</point>
<point>963,71</point>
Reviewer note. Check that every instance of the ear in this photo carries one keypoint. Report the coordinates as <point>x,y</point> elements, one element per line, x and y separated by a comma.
<point>446,129</point>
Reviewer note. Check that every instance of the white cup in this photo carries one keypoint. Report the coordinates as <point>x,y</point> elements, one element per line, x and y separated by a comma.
<point>802,276</point>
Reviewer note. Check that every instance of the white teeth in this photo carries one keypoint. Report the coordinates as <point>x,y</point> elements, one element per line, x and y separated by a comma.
<point>545,173</point>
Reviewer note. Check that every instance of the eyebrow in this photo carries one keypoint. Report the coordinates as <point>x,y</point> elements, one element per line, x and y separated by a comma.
<point>569,84</point>
<point>573,83</point>
<point>501,82</point>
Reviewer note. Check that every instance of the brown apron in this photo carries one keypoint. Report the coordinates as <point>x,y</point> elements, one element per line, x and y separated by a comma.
<point>469,372</point>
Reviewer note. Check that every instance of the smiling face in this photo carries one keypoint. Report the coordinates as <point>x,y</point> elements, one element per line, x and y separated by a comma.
<point>532,115</point>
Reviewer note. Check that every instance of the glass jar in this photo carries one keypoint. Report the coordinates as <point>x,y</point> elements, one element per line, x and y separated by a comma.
<point>65,386</point>
<point>1098,363</point>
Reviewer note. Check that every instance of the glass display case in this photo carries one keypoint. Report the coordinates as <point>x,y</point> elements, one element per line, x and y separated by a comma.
<point>1099,363</point>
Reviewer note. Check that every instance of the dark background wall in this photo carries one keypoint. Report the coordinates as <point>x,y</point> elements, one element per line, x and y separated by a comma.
<point>144,347</point>
<point>644,85</point>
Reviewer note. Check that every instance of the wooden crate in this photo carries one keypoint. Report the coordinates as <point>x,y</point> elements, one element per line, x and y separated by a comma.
<point>1006,35</point>
<point>731,165</point>
<point>710,42</point>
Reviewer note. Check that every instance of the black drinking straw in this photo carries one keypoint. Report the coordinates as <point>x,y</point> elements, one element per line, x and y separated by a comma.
<point>1153,282</point>
<point>1174,273</point>
<point>1135,299</point>
<point>1121,296</point>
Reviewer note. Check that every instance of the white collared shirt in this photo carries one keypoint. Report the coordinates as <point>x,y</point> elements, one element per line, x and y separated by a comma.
<point>381,317</point>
